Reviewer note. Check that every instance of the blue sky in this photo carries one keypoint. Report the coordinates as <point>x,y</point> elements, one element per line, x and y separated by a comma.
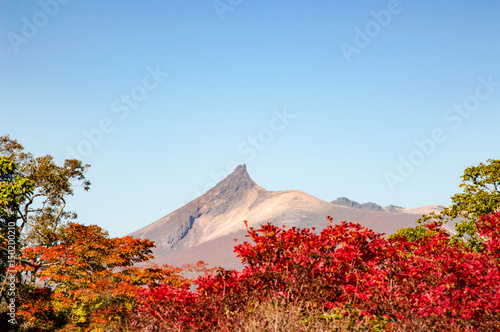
<point>382,101</point>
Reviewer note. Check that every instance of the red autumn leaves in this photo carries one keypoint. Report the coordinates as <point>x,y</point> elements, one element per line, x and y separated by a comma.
<point>345,268</point>
<point>344,265</point>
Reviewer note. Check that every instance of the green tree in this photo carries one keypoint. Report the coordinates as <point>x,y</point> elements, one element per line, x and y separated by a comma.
<point>480,196</point>
<point>39,215</point>
<point>13,191</point>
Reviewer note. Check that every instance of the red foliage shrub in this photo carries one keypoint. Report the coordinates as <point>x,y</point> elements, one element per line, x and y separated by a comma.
<point>429,279</point>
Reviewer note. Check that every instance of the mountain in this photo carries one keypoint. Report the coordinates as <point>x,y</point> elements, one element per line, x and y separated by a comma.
<point>205,228</point>
<point>344,201</point>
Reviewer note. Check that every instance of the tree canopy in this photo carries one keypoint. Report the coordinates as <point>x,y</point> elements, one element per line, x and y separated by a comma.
<point>480,196</point>
<point>39,213</point>
<point>92,279</point>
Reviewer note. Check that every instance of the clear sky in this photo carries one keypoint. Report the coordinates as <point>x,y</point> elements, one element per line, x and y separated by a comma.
<point>381,101</point>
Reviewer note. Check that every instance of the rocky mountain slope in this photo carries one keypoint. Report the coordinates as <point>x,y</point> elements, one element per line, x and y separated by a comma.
<point>205,228</point>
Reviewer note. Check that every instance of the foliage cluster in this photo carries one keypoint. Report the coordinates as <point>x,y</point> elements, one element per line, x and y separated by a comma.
<point>347,271</point>
<point>91,278</point>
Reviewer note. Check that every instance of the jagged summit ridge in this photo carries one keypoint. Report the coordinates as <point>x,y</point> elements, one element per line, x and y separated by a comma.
<point>238,180</point>
<point>365,206</point>
<point>346,202</point>
<point>229,191</point>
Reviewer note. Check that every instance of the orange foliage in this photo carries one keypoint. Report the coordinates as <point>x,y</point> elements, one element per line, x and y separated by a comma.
<point>90,279</point>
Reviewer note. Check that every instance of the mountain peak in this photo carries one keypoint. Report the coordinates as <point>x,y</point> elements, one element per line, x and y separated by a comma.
<point>237,180</point>
<point>229,191</point>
